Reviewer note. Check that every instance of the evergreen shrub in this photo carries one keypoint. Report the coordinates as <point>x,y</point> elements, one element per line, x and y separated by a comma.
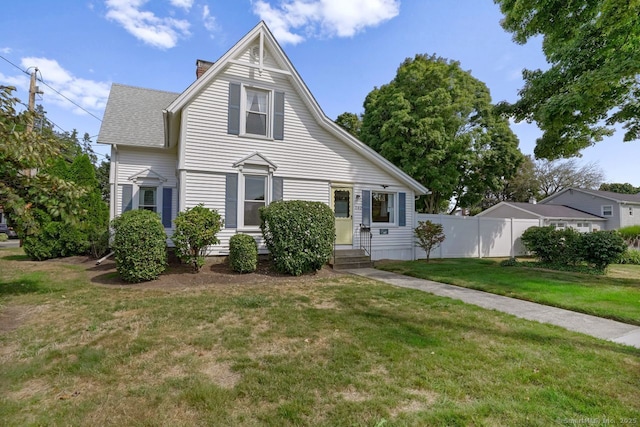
<point>243,253</point>
<point>299,235</point>
<point>139,245</point>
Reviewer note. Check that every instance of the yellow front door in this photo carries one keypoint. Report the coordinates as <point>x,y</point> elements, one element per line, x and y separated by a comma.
<point>342,205</point>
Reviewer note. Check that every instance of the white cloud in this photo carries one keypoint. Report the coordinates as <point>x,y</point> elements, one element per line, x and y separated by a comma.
<point>332,18</point>
<point>89,94</point>
<point>185,4</point>
<point>5,50</point>
<point>208,20</point>
<point>145,25</point>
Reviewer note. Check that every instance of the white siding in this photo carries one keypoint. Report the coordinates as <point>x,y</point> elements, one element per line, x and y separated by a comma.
<point>129,161</point>
<point>307,152</point>
<point>309,159</point>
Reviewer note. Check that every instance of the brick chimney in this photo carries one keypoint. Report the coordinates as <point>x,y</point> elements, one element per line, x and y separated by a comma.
<point>201,67</point>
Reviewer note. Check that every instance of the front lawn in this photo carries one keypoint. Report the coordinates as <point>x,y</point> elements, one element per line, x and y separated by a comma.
<point>340,351</point>
<point>615,295</point>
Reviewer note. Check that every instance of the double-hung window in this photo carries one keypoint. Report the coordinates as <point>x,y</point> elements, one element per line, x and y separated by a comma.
<point>256,112</point>
<point>255,197</point>
<point>147,199</point>
<point>607,210</point>
<point>383,208</point>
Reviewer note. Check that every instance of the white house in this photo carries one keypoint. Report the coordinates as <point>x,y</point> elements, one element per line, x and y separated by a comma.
<point>248,132</point>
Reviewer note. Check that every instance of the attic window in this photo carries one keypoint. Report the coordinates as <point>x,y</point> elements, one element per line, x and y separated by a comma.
<point>257,111</point>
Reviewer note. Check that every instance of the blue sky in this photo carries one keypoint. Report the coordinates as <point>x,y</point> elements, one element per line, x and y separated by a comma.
<point>341,48</point>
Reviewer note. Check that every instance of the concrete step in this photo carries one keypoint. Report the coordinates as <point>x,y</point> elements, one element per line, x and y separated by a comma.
<point>350,258</point>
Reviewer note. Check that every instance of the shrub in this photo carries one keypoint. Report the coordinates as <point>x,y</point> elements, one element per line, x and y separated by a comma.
<point>3,237</point>
<point>196,229</point>
<point>54,239</point>
<point>511,262</point>
<point>602,248</point>
<point>429,235</point>
<point>243,253</point>
<point>299,235</point>
<point>630,256</point>
<point>631,235</point>
<point>139,245</point>
<point>553,246</point>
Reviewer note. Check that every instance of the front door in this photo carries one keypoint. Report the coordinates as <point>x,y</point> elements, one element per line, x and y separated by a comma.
<point>342,204</point>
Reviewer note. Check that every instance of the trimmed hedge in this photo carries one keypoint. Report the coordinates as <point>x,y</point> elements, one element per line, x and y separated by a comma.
<point>299,235</point>
<point>3,237</point>
<point>243,253</point>
<point>139,246</point>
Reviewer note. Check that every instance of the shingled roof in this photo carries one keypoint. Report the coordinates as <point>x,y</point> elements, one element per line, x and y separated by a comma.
<point>133,116</point>
<point>553,211</point>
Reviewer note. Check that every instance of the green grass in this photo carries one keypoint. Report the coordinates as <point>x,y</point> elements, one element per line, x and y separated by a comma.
<point>615,295</point>
<point>340,352</point>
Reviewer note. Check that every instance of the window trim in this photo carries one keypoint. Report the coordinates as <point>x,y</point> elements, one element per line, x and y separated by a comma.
<point>268,175</point>
<point>604,207</point>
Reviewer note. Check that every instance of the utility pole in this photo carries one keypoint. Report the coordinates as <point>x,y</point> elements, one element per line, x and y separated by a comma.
<point>33,90</point>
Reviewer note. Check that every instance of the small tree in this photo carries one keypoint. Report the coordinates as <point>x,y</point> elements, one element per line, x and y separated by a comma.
<point>602,248</point>
<point>196,229</point>
<point>430,235</point>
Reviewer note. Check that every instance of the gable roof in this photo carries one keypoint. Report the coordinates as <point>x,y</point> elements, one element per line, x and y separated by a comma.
<point>133,116</point>
<point>609,195</point>
<point>546,211</point>
<point>262,33</point>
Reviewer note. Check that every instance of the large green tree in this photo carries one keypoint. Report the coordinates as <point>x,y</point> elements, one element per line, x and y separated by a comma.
<point>436,122</point>
<point>592,84</point>
<point>24,187</point>
<point>623,188</point>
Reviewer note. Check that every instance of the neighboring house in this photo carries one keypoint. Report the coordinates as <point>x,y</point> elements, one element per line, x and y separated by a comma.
<point>248,132</point>
<point>620,210</point>
<point>549,215</point>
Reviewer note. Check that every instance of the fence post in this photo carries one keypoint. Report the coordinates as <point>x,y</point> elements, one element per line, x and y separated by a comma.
<point>479,238</point>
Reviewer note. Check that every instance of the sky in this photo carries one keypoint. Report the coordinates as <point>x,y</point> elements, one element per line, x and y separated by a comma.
<point>342,49</point>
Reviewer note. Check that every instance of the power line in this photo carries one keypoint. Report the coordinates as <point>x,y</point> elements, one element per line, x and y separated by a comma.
<point>41,80</point>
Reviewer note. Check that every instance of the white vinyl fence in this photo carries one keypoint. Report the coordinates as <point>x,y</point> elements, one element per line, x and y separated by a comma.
<point>477,237</point>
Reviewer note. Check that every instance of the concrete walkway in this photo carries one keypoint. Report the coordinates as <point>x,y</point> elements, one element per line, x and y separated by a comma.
<point>606,329</point>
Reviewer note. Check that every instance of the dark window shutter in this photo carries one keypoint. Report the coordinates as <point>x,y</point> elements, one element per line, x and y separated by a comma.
<point>233,121</point>
<point>231,201</point>
<point>278,116</point>
<point>402,209</point>
<point>127,197</point>
<point>278,184</point>
<point>366,208</point>
<point>167,199</point>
